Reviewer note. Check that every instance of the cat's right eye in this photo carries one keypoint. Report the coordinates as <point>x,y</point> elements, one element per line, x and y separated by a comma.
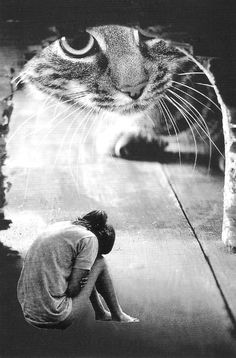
<point>80,46</point>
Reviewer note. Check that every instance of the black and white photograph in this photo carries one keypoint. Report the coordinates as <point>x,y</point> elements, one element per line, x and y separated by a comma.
<point>117,179</point>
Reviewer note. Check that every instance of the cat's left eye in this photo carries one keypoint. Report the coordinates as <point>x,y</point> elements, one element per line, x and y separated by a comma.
<point>80,46</point>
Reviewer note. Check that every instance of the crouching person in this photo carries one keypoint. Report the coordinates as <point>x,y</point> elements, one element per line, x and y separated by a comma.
<point>64,268</point>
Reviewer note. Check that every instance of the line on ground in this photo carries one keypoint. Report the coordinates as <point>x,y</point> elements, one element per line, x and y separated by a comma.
<point>227,306</point>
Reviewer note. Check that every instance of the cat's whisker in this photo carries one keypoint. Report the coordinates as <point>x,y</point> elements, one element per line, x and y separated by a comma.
<point>150,119</point>
<point>195,111</point>
<point>28,168</point>
<point>80,123</point>
<point>22,125</point>
<point>81,111</point>
<point>34,132</point>
<point>18,82</point>
<point>26,186</point>
<point>56,108</point>
<point>88,117</point>
<point>174,122</point>
<point>70,151</point>
<point>193,120</point>
<point>175,127</point>
<point>109,126</point>
<point>190,124</point>
<point>162,109</point>
<point>190,58</point>
<point>197,122</point>
<point>75,100</point>
<point>208,136</point>
<point>76,97</point>
<point>9,139</point>
<point>194,98</point>
<point>99,119</point>
<point>60,121</point>
<point>68,101</point>
<point>204,84</point>
<point>91,128</point>
<point>189,105</point>
<point>78,93</point>
<point>60,101</point>
<point>20,77</point>
<point>82,143</point>
<point>63,141</point>
<point>39,113</point>
<point>163,115</point>
<point>104,124</point>
<point>85,136</point>
<point>190,73</point>
<point>16,78</point>
<point>202,94</point>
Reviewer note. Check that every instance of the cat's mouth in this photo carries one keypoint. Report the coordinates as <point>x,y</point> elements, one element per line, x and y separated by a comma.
<point>129,108</point>
<point>134,107</point>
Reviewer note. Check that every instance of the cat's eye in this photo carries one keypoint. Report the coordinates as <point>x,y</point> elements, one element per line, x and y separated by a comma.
<point>80,46</point>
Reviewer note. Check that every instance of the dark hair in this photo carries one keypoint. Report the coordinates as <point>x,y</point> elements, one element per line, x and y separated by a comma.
<point>106,239</point>
<point>96,222</point>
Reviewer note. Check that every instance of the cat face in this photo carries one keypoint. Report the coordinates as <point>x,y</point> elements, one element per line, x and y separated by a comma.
<point>111,68</point>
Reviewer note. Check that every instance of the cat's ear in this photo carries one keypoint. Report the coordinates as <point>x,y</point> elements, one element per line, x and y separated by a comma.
<point>146,34</point>
<point>174,39</point>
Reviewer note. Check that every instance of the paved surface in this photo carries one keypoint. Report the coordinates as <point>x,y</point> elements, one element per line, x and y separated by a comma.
<point>159,266</point>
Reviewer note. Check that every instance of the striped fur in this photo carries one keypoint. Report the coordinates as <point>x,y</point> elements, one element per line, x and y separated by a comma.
<point>177,97</point>
<point>171,101</point>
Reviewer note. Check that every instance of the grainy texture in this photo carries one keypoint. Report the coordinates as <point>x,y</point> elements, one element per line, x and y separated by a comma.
<point>160,272</point>
<point>201,196</point>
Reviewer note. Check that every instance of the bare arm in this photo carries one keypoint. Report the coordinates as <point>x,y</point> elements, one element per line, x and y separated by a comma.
<point>74,284</point>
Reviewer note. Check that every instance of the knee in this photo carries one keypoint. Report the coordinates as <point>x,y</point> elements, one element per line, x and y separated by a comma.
<point>100,262</point>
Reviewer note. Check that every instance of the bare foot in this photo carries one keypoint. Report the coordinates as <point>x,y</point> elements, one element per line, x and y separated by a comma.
<point>125,318</point>
<point>103,316</point>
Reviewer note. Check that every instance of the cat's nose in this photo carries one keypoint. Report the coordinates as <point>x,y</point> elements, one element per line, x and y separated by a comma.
<point>134,92</point>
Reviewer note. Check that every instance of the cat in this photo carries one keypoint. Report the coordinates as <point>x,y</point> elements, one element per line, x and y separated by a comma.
<point>122,70</point>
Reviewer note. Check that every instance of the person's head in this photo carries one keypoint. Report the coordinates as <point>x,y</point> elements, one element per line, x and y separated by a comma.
<point>96,222</point>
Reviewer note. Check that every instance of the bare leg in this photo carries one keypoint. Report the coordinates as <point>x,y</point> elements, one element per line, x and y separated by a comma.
<point>99,276</point>
<point>105,287</point>
<point>101,314</point>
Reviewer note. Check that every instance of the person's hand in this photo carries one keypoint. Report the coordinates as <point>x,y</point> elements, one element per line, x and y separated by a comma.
<point>83,281</point>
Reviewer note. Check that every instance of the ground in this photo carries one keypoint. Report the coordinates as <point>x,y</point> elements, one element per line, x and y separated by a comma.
<point>169,266</point>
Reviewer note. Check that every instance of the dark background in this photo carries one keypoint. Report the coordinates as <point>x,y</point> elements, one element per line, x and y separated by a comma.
<point>208,25</point>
